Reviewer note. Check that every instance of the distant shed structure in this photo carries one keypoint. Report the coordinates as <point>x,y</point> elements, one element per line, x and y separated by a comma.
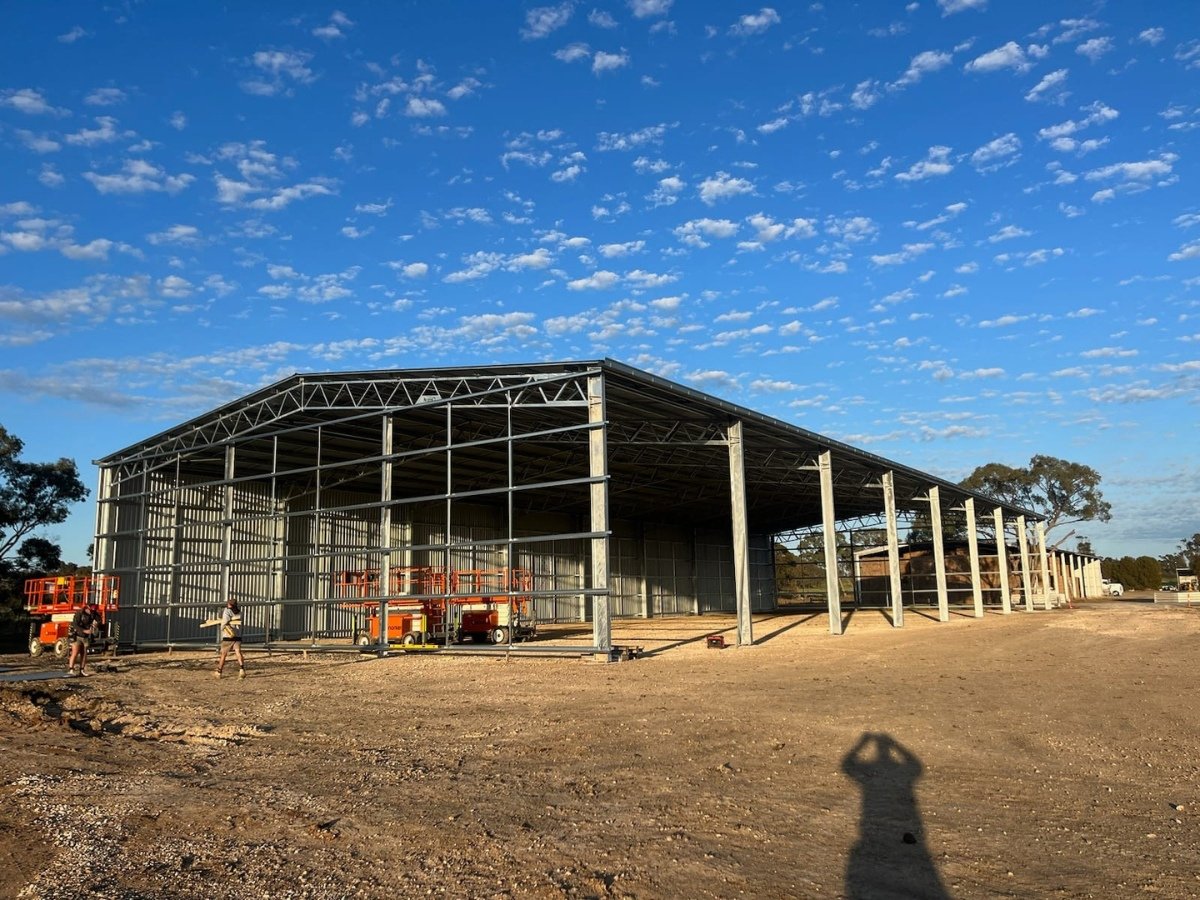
<point>620,493</point>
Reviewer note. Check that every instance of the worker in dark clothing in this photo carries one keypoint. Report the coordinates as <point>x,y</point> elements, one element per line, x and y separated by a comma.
<point>84,625</point>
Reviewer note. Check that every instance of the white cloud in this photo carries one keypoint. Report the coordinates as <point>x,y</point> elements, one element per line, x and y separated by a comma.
<point>282,69</point>
<point>178,121</point>
<point>1002,151</point>
<point>1008,233</point>
<point>1135,171</point>
<point>334,29</point>
<point>642,9</point>
<point>1098,113</point>
<point>1189,54</point>
<point>597,281</point>
<point>1050,88</point>
<point>908,254</point>
<point>607,62</point>
<point>573,53</point>
<point>424,107</point>
<point>106,96</point>
<point>1152,36</point>
<point>543,20</point>
<point>106,133</point>
<point>176,234</point>
<point>667,191</point>
<point>653,134</point>
<point>51,177</point>
<point>950,7</point>
<point>611,250</point>
<point>643,280</point>
<point>38,143</point>
<point>1095,48</point>
<point>864,96</point>
<point>937,163</point>
<point>30,102</point>
<point>722,186</point>
<point>1010,56</point>
<point>415,270</point>
<point>693,233</point>
<point>755,23</point>
<point>139,177</point>
<point>175,287</point>
<point>923,63</point>
<point>1190,250</point>
<point>540,258</point>
<point>72,36</point>
<point>770,230</point>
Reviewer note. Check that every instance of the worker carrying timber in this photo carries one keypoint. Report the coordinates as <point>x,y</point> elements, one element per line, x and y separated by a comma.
<point>84,625</point>
<point>231,636</point>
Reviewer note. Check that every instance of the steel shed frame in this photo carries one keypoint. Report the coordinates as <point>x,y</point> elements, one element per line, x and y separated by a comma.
<point>622,492</point>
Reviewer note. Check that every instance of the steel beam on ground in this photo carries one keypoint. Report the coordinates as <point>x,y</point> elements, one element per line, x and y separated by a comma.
<point>973,550</point>
<point>893,543</point>
<point>833,591</point>
<point>741,539</point>
<point>1002,561</point>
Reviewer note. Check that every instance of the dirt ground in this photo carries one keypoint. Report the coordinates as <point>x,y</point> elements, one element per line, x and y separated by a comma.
<point>1052,754</point>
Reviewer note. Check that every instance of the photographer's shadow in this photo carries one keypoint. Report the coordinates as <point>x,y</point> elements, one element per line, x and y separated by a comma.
<point>890,858</point>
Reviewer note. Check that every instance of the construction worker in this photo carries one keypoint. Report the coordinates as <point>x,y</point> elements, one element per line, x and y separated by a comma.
<point>84,624</point>
<point>231,636</point>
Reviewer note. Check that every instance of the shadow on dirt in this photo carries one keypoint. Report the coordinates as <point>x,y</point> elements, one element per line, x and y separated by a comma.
<point>890,857</point>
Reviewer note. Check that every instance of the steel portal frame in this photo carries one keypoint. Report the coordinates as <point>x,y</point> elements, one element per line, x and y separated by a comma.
<point>267,497</point>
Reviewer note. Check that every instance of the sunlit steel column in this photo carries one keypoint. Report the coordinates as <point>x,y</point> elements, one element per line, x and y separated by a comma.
<point>1041,538</point>
<point>893,542</point>
<point>598,470</point>
<point>1002,561</point>
<point>1026,580</point>
<point>833,590</point>
<point>741,552</point>
<point>939,553</point>
<point>227,522</point>
<point>385,529</point>
<point>973,549</point>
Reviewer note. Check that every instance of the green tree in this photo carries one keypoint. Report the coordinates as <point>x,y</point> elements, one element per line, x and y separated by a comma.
<point>1064,492</point>
<point>32,496</point>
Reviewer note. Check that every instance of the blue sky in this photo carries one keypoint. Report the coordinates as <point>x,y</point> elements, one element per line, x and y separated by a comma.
<point>950,232</point>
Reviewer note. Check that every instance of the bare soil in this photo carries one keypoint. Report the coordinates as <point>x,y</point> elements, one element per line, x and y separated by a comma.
<point>1052,754</point>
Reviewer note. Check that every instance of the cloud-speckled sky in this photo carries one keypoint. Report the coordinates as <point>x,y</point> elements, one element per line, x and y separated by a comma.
<point>950,232</point>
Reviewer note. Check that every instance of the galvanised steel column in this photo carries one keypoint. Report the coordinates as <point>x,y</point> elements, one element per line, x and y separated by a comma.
<point>227,523</point>
<point>893,542</point>
<point>939,553</point>
<point>1041,537</point>
<point>598,470</point>
<point>1002,561</point>
<point>833,589</point>
<point>973,550</point>
<point>741,552</point>
<point>385,529</point>
<point>1026,581</point>
<point>173,584</point>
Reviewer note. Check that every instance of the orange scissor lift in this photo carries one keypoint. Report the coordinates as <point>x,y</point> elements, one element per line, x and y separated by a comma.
<point>410,620</point>
<point>480,605</point>
<point>52,603</point>
<point>495,605</point>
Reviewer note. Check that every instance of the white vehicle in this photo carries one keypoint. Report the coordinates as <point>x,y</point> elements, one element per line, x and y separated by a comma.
<point>1112,588</point>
